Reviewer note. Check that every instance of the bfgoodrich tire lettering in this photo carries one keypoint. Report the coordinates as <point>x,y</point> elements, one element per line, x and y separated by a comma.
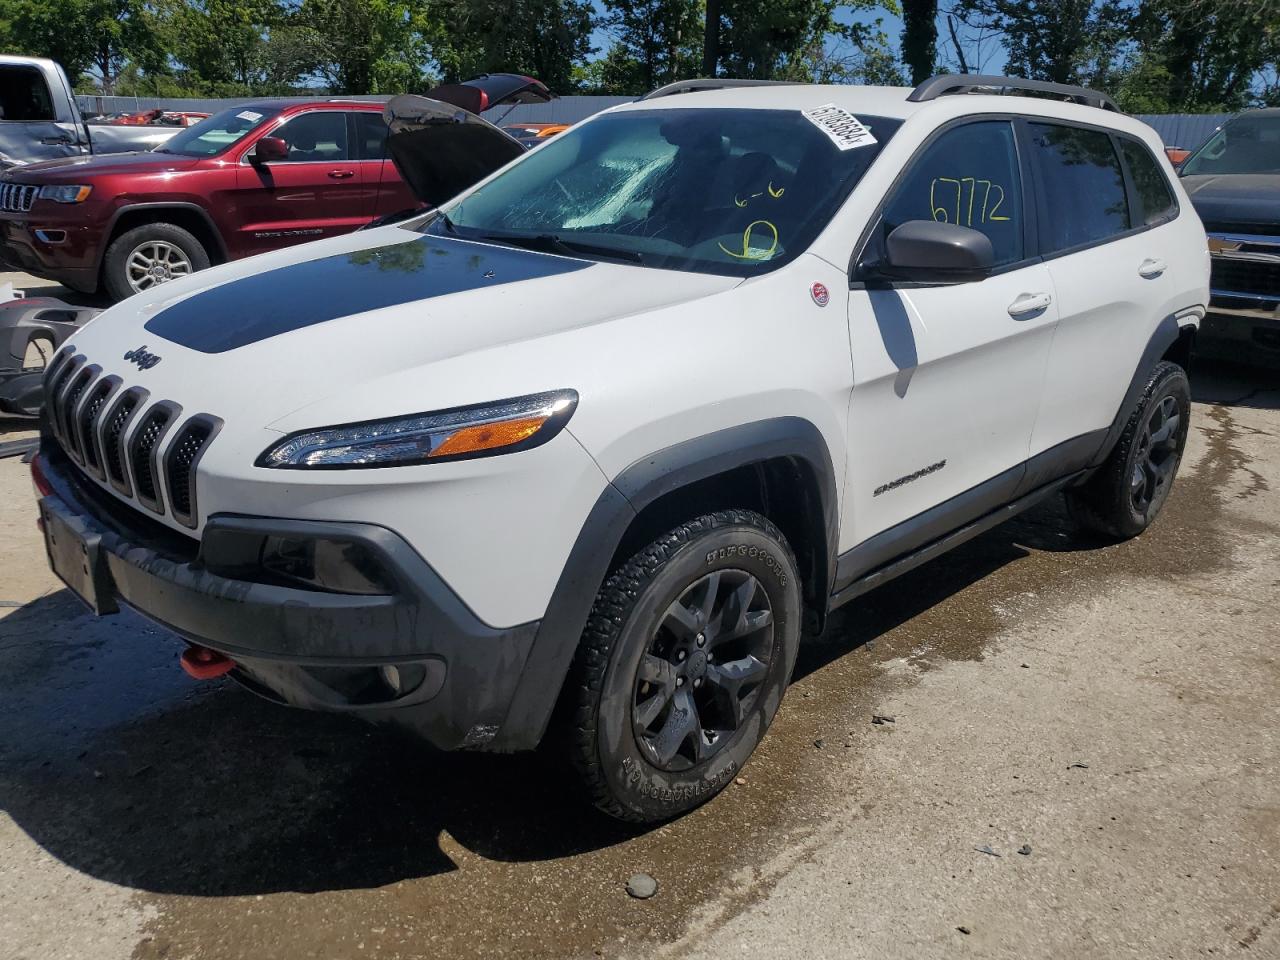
<point>1129,489</point>
<point>705,621</point>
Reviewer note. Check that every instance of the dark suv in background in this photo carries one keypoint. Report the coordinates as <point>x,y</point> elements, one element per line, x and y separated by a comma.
<point>1234,182</point>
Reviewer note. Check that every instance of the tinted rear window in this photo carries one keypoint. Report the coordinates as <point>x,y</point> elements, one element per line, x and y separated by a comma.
<point>24,96</point>
<point>1082,187</point>
<point>1155,199</point>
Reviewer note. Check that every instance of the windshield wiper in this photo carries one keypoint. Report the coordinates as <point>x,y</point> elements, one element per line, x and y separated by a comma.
<point>553,243</point>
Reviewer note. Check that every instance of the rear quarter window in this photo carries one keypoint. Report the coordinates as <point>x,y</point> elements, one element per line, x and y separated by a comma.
<point>1154,197</point>
<point>1082,192</point>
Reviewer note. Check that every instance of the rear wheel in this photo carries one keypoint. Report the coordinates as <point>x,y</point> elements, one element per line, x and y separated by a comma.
<point>1124,497</point>
<point>148,255</point>
<point>684,660</point>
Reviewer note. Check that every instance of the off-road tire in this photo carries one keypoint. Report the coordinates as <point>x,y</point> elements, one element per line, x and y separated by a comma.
<point>1105,505</point>
<point>115,276</point>
<point>606,678</point>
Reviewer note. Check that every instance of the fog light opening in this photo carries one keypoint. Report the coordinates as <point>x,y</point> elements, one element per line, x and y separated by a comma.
<point>391,677</point>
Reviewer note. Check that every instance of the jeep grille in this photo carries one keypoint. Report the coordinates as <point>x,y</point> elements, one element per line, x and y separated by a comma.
<point>17,197</point>
<point>119,437</point>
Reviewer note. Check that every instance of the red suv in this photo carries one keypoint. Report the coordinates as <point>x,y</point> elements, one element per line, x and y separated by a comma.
<point>252,178</point>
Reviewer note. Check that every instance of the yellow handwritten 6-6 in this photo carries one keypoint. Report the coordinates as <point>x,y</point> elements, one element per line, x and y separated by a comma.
<point>944,190</point>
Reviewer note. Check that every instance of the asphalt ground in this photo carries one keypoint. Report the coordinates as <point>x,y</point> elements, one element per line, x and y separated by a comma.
<point>1110,709</point>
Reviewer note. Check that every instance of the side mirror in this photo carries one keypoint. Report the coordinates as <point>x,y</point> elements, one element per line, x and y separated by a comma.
<point>269,149</point>
<point>930,252</point>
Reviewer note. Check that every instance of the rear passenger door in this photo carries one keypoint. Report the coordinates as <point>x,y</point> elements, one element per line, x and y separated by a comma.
<point>947,376</point>
<point>1105,215</point>
<point>389,194</point>
<point>317,192</point>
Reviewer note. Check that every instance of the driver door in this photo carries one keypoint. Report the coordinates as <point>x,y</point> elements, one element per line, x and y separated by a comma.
<point>319,191</point>
<point>947,378</point>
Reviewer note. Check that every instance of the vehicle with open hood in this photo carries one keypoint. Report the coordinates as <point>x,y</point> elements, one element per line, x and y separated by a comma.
<point>588,448</point>
<point>254,177</point>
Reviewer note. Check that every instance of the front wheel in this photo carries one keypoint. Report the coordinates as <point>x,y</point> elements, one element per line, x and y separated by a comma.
<point>684,660</point>
<point>148,255</point>
<point>1124,497</point>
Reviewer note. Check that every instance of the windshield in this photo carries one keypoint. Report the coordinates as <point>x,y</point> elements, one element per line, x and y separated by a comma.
<point>736,192</point>
<point>1246,145</point>
<point>212,136</point>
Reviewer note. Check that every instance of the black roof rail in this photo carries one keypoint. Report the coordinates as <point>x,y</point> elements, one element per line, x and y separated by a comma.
<point>952,83</point>
<point>710,83</point>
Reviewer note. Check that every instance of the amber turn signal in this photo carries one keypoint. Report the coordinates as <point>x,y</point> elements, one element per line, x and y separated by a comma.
<point>488,436</point>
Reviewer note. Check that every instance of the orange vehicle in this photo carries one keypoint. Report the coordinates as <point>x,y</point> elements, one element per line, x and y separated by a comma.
<point>1176,154</point>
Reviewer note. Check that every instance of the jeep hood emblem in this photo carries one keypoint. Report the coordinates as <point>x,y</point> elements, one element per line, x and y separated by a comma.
<point>142,358</point>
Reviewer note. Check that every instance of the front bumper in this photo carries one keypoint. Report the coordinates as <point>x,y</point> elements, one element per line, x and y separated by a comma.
<point>63,251</point>
<point>417,657</point>
<point>1245,277</point>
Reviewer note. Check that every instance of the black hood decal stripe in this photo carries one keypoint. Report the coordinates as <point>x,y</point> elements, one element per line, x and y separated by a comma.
<point>278,301</point>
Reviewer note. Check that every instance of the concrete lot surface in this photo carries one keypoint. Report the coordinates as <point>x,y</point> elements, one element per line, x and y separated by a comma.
<point>1110,709</point>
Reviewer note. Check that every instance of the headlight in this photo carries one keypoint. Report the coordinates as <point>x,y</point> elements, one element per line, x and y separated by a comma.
<point>69,193</point>
<point>479,431</point>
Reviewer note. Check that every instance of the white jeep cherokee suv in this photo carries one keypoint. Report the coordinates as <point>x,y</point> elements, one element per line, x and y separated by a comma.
<point>606,432</point>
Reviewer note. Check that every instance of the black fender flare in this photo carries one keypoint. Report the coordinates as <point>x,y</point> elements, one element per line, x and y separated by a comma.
<point>1164,336</point>
<point>159,205</point>
<point>639,485</point>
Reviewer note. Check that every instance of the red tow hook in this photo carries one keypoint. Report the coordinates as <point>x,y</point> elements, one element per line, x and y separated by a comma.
<point>205,664</point>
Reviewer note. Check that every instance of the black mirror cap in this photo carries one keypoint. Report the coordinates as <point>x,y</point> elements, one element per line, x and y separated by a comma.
<point>929,251</point>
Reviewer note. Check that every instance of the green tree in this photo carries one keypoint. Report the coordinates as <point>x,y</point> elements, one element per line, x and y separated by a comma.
<point>920,37</point>
<point>1201,54</point>
<point>766,40</point>
<point>654,42</point>
<point>369,46</point>
<point>100,36</point>
<point>1065,41</point>
<point>547,39</point>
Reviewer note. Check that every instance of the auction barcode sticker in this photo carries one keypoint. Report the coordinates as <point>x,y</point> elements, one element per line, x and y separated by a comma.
<point>841,127</point>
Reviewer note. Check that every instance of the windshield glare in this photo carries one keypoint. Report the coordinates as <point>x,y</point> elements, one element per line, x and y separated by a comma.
<point>737,192</point>
<point>1246,145</point>
<point>214,134</point>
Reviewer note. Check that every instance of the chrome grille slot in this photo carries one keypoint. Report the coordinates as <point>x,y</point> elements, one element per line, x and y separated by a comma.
<point>17,197</point>
<point>115,423</point>
<point>57,399</point>
<point>180,465</point>
<point>75,392</point>
<point>53,382</point>
<point>56,364</point>
<point>87,424</point>
<point>117,437</point>
<point>143,446</point>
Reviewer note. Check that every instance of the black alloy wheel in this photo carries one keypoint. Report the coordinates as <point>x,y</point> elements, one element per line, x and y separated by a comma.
<point>1157,455</point>
<point>703,669</point>
<point>682,665</point>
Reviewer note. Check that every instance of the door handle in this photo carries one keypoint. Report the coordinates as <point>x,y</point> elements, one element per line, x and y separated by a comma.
<point>1029,305</point>
<point>341,174</point>
<point>56,141</point>
<point>1151,268</point>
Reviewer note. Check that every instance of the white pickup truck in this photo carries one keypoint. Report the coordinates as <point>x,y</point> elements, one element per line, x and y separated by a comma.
<point>39,119</point>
